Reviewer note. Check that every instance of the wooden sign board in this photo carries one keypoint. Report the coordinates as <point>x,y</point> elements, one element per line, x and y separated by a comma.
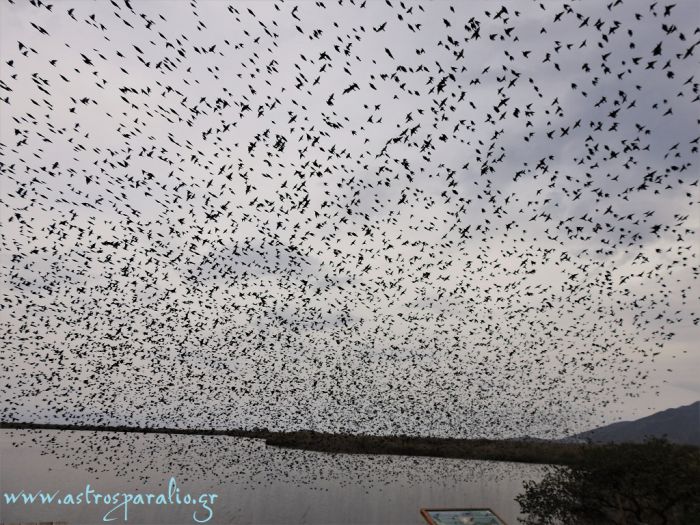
<point>461,517</point>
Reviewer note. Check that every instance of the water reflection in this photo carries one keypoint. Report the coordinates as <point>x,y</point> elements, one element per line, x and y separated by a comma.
<point>256,484</point>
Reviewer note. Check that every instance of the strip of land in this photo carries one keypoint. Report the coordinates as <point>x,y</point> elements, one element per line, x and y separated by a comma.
<point>543,452</point>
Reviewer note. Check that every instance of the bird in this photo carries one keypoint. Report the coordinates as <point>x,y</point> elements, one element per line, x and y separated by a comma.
<point>490,230</point>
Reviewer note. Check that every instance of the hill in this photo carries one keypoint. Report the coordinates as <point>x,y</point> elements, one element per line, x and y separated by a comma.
<point>678,425</point>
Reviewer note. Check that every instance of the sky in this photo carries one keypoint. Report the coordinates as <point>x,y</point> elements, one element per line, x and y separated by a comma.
<point>465,219</point>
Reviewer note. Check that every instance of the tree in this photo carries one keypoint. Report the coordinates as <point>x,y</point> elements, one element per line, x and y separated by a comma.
<point>655,483</point>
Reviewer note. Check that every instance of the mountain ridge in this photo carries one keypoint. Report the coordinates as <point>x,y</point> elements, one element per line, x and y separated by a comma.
<point>678,425</point>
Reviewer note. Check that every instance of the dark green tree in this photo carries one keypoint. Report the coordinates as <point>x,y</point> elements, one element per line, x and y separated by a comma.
<point>655,483</point>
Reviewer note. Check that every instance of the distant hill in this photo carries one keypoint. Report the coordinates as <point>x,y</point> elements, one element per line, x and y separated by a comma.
<point>678,425</point>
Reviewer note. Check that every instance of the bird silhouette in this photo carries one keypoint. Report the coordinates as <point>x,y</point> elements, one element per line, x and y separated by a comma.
<point>368,217</point>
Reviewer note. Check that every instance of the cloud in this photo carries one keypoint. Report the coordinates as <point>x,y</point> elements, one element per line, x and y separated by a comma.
<point>465,232</point>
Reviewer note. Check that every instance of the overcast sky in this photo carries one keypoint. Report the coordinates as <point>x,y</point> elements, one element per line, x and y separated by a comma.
<point>462,218</point>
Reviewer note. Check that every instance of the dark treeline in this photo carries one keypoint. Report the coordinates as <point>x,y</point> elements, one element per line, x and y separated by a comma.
<point>484,449</point>
<point>255,433</point>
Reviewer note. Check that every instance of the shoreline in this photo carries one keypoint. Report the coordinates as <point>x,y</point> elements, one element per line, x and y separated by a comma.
<point>509,450</point>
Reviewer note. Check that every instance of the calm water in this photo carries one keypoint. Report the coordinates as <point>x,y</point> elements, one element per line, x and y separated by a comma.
<point>254,484</point>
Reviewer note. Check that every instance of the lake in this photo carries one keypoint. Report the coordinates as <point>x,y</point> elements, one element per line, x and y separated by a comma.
<point>252,483</point>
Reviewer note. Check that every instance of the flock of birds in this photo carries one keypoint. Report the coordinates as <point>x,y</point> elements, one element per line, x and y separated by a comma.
<point>465,219</point>
<point>254,483</point>
<point>215,462</point>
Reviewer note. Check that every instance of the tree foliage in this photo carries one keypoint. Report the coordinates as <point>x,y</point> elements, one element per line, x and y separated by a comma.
<point>655,483</point>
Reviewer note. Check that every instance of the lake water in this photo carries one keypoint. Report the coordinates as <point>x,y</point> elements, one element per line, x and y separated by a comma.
<point>253,483</point>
